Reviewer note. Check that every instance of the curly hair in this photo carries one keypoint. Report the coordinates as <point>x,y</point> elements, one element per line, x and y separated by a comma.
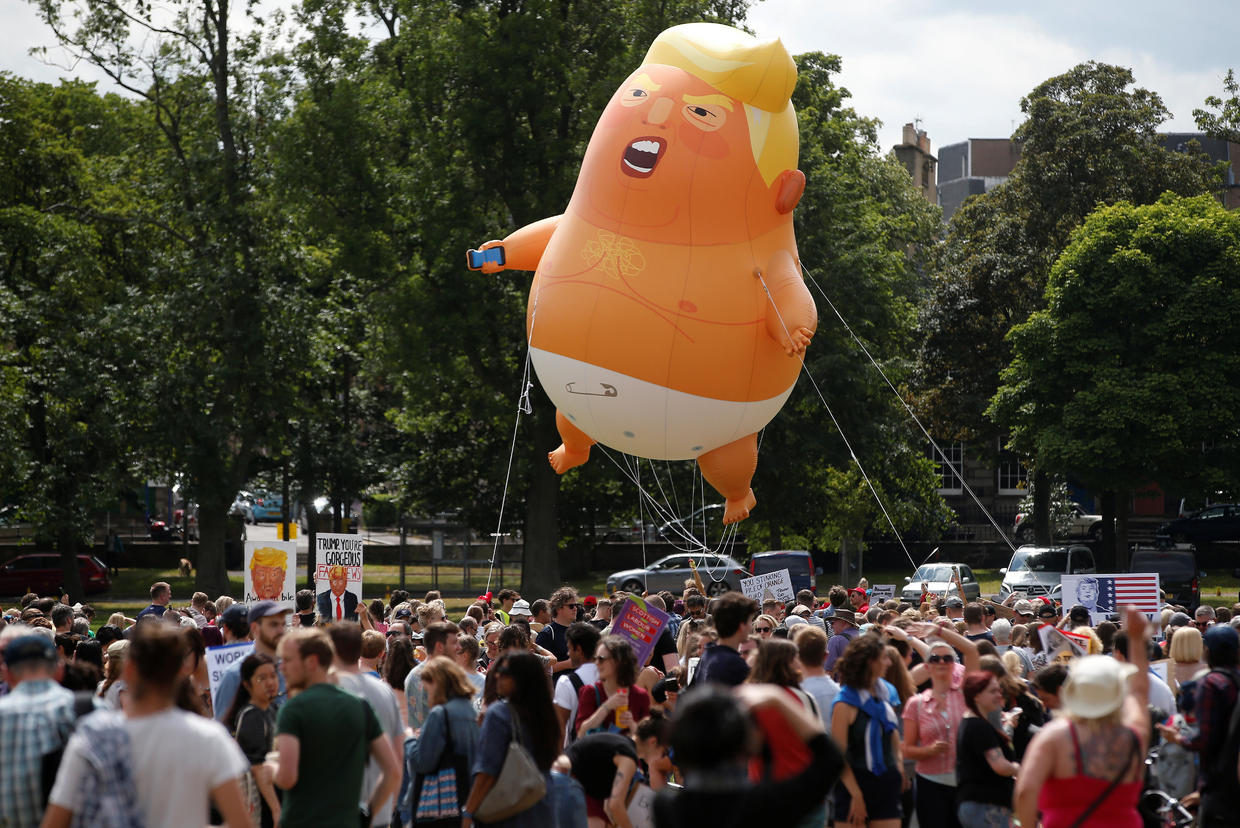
<point>856,666</point>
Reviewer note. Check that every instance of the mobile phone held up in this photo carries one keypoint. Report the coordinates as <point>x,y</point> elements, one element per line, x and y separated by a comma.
<point>475,259</point>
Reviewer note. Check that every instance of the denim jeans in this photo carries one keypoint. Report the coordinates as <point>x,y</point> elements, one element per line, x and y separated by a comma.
<point>984,815</point>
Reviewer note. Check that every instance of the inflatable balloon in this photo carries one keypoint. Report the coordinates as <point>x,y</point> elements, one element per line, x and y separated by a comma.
<point>668,316</point>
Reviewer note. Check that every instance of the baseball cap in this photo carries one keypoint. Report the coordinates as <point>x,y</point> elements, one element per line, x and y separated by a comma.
<point>235,613</point>
<point>955,601</point>
<point>404,612</point>
<point>590,601</point>
<point>793,620</point>
<point>1221,638</point>
<point>1078,614</point>
<point>30,648</point>
<point>1047,611</point>
<point>1179,619</point>
<point>1023,607</point>
<point>263,609</point>
<point>800,608</point>
<point>521,607</point>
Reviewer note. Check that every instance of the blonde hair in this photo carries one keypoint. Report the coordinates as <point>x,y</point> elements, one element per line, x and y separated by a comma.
<point>770,619</point>
<point>758,73</point>
<point>267,556</point>
<point>1012,663</point>
<point>1095,643</point>
<point>1186,646</point>
<point>448,678</point>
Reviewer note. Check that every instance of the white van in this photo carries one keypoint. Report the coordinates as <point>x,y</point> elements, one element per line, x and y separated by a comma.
<point>1035,570</point>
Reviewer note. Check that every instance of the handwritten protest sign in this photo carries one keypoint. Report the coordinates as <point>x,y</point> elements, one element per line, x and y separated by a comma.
<point>779,584</point>
<point>881,592</point>
<point>337,576</point>
<point>1056,641</point>
<point>641,624</point>
<point>271,572</point>
<point>220,659</point>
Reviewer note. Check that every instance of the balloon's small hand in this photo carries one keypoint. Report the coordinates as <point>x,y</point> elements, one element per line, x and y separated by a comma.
<point>799,339</point>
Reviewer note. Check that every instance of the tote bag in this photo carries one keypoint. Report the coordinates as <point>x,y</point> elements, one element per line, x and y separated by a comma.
<point>519,785</point>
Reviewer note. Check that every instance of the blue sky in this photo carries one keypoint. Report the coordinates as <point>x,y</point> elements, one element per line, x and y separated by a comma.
<point>960,66</point>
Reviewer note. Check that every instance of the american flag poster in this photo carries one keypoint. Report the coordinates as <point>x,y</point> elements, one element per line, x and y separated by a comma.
<point>1105,594</point>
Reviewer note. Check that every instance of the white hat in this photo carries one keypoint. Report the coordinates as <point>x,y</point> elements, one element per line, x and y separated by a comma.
<point>521,607</point>
<point>1096,686</point>
<point>793,620</point>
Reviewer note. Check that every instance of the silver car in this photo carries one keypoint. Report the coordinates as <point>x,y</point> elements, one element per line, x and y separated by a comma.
<point>719,573</point>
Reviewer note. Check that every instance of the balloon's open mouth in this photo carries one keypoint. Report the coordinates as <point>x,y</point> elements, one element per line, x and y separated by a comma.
<point>641,156</point>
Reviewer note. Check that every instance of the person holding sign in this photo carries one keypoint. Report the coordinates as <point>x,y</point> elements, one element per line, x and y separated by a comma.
<point>337,603</point>
<point>614,703</point>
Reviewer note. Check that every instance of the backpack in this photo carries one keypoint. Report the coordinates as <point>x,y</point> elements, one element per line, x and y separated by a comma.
<point>577,683</point>
<point>83,704</point>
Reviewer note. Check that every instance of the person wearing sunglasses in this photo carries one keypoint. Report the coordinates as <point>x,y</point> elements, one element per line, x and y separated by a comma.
<point>932,719</point>
<point>764,625</point>
<point>554,637</point>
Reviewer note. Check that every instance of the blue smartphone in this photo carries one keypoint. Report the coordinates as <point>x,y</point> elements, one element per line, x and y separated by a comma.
<point>475,259</point>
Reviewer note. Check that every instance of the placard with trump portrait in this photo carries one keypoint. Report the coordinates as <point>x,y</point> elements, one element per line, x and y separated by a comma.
<point>337,576</point>
<point>270,572</point>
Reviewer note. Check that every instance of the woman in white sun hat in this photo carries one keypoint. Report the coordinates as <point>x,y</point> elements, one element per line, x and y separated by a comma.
<point>1086,768</point>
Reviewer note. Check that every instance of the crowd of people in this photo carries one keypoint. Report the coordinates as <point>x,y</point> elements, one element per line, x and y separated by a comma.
<point>540,714</point>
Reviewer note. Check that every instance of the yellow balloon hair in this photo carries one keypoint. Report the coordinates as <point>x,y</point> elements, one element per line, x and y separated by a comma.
<point>758,73</point>
<point>269,556</point>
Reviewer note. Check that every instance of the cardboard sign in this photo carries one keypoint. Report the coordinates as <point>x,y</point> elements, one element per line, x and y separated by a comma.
<point>337,576</point>
<point>1056,641</point>
<point>778,584</point>
<point>642,625</point>
<point>1105,594</point>
<point>220,659</point>
<point>271,572</point>
<point>882,592</point>
<point>641,807</point>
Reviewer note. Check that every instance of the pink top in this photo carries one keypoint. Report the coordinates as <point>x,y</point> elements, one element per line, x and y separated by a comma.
<point>1062,800</point>
<point>938,721</point>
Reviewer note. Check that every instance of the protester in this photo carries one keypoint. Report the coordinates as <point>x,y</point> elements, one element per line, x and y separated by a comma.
<point>711,740</point>
<point>118,763</point>
<point>553,637</point>
<point>266,622</point>
<point>324,735</point>
<point>252,721</point>
<point>614,703</point>
<point>524,712</point>
<point>985,760</point>
<point>583,639</point>
<point>811,644</point>
<point>439,640</point>
<point>864,722</point>
<point>721,663</point>
<point>1088,765</point>
<point>450,734</point>
<point>396,669</point>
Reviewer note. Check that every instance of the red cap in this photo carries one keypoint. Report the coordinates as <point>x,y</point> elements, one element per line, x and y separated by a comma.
<point>590,601</point>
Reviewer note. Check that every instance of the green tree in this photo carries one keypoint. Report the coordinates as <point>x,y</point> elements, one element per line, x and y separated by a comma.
<point>1088,139</point>
<point>1133,365</point>
<point>223,339</point>
<point>68,278</point>
<point>1224,121</point>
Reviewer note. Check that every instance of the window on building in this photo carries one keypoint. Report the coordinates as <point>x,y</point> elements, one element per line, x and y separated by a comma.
<point>950,465</point>
<point>1013,477</point>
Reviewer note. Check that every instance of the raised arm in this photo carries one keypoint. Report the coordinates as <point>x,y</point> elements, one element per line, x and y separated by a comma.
<point>523,248</point>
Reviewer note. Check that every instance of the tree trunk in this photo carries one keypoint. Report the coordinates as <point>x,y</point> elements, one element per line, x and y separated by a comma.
<point>212,577</point>
<point>1042,529</point>
<point>71,576</point>
<point>1122,507</point>
<point>1106,550</point>
<point>540,570</point>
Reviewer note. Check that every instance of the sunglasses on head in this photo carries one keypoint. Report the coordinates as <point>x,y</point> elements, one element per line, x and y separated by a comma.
<point>940,659</point>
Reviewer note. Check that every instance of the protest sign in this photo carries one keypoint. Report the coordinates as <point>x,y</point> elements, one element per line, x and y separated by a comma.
<point>641,624</point>
<point>779,584</point>
<point>271,572</point>
<point>881,592</point>
<point>337,576</point>
<point>220,659</point>
<point>1056,641</point>
<point>1105,594</point>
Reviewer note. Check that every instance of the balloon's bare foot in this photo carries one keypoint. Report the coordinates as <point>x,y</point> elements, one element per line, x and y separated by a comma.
<point>737,510</point>
<point>562,459</point>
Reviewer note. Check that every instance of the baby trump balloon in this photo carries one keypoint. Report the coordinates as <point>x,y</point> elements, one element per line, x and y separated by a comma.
<point>668,316</point>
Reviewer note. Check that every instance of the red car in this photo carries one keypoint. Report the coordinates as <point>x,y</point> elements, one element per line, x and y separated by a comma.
<point>41,573</point>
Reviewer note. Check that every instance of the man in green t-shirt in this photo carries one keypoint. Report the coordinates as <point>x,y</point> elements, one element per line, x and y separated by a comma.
<point>323,738</point>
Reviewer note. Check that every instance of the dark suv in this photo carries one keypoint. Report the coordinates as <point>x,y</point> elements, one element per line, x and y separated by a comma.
<point>1177,572</point>
<point>1220,522</point>
<point>798,562</point>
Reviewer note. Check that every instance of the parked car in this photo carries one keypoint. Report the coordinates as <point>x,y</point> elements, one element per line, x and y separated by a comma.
<point>719,573</point>
<point>1220,522</point>
<point>939,579</point>
<point>1036,571</point>
<point>243,506</point>
<point>267,506</point>
<point>41,573</point>
<point>1177,572</point>
<point>1080,526</point>
<point>798,562</point>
